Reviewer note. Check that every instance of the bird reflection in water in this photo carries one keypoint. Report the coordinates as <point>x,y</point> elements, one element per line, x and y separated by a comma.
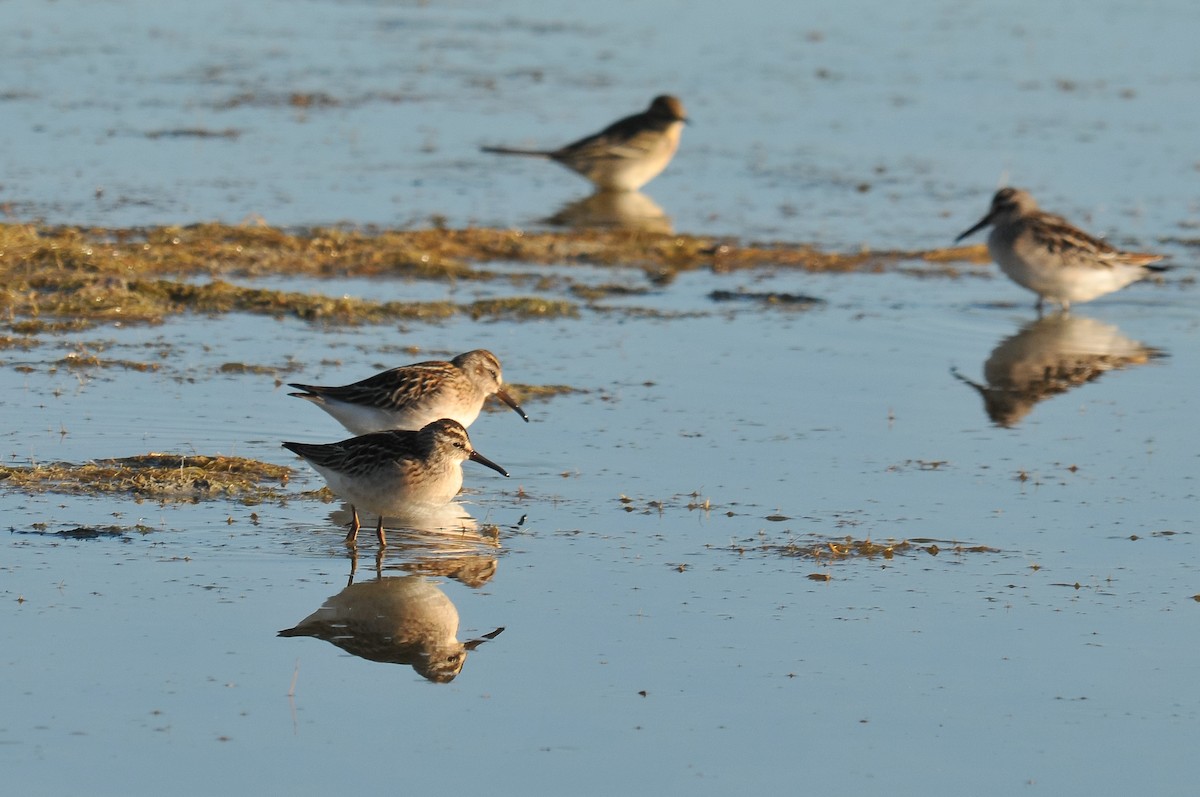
<point>613,210</point>
<point>445,542</point>
<point>1049,356</point>
<point>438,526</point>
<point>402,619</point>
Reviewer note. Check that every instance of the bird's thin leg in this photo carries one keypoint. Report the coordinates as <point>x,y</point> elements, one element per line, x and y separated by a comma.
<point>379,533</point>
<point>354,526</point>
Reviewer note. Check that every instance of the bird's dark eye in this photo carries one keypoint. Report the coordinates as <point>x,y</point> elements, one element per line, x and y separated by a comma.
<point>459,444</point>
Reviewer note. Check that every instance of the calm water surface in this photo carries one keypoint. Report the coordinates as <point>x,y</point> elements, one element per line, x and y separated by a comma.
<point>655,639</point>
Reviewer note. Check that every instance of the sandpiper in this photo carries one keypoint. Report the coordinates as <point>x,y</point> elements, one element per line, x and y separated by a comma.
<point>412,396</point>
<point>1054,259</point>
<point>397,472</point>
<point>625,155</point>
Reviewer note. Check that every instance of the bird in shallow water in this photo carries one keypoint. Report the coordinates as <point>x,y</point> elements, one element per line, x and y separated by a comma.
<point>411,396</point>
<point>1056,260</point>
<point>397,472</point>
<point>625,155</point>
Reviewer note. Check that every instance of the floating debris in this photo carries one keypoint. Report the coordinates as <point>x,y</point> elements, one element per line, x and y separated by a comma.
<point>194,132</point>
<point>796,301</point>
<point>164,477</point>
<point>822,549</point>
<point>94,276</point>
<point>86,532</point>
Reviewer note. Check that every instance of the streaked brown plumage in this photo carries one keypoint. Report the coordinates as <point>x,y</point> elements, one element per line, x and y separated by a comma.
<point>1054,259</point>
<point>397,472</point>
<point>625,155</point>
<point>411,396</point>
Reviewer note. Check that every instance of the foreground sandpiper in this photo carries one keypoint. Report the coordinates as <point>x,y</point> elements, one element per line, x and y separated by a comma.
<point>625,155</point>
<point>397,472</point>
<point>1054,259</point>
<point>412,396</point>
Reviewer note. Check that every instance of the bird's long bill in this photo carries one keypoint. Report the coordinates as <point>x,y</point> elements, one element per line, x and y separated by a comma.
<point>985,221</point>
<point>474,643</point>
<point>482,460</point>
<point>507,399</point>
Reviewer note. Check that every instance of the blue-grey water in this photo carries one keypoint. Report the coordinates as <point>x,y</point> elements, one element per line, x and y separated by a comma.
<point>1041,634</point>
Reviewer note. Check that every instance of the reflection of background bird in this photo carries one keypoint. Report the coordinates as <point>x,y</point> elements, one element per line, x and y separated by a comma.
<point>474,571</point>
<point>1057,261</point>
<point>1052,355</point>
<point>625,155</point>
<point>399,472</point>
<point>412,396</point>
<point>445,543</point>
<point>432,527</point>
<point>613,210</point>
<point>394,620</point>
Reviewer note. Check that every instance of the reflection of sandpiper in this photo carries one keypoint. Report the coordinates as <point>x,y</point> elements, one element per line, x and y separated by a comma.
<point>394,620</point>
<point>1052,355</point>
<point>613,210</point>
<point>441,525</point>
<point>445,542</point>
<point>396,473</point>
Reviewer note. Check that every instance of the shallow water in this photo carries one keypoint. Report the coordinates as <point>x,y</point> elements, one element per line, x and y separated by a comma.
<point>656,636</point>
<point>864,124</point>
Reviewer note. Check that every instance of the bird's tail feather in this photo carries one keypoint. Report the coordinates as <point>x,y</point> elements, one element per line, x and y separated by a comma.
<point>532,153</point>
